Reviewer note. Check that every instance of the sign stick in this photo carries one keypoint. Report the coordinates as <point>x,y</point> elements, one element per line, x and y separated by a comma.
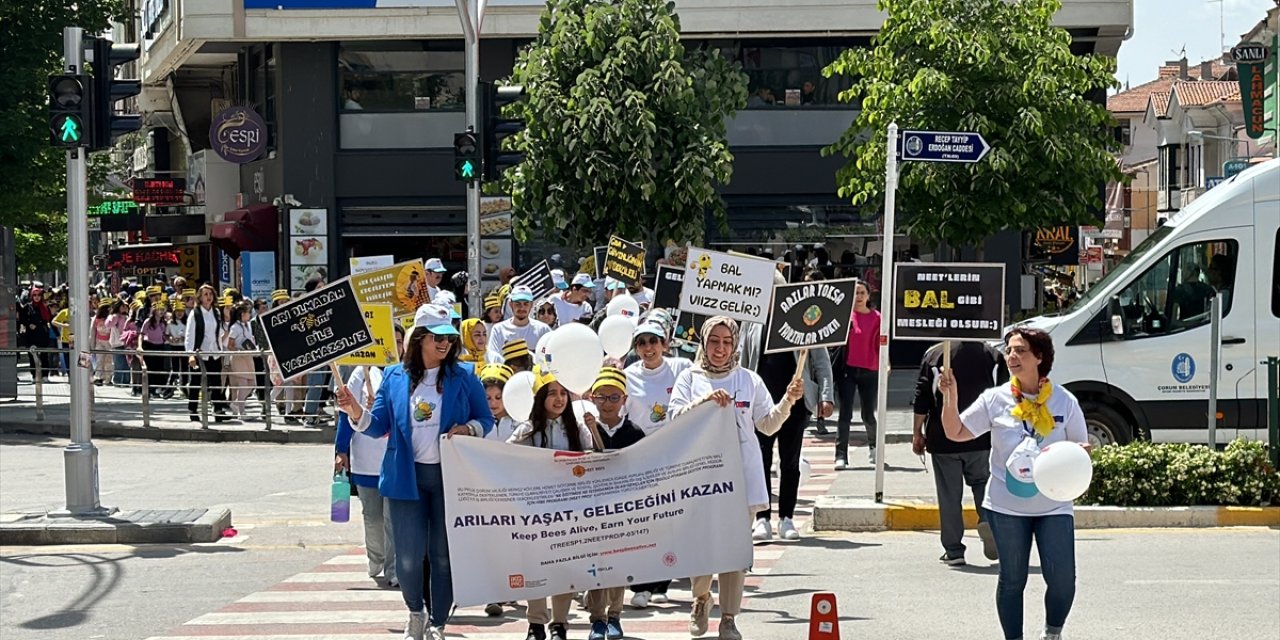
<point>946,355</point>
<point>333,368</point>
<point>368,386</point>
<point>800,362</point>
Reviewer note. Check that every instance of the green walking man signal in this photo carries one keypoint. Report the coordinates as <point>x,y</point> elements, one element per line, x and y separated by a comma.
<point>71,130</point>
<point>466,156</point>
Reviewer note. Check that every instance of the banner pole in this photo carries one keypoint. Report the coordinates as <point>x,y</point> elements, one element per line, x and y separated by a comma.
<point>886,295</point>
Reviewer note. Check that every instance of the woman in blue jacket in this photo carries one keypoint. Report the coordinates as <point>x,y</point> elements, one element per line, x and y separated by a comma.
<point>428,396</point>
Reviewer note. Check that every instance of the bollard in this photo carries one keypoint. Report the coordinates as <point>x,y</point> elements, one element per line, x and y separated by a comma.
<point>146,396</point>
<point>204,394</point>
<point>39,376</point>
<point>1273,409</point>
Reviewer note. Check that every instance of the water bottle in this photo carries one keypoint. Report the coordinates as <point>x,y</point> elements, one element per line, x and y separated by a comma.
<point>340,498</point>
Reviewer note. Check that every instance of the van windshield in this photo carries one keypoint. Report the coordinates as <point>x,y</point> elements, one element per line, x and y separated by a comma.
<point>1122,268</point>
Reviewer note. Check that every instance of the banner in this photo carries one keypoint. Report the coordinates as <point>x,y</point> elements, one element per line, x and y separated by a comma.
<point>727,285</point>
<point>948,301</point>
<point>667,286</point>
<point>538,279</point>
<point>810,314</point>
<point>624,261</point>
<point>313,331</point>
<point>366,264</point>
<point>403,286</point>
<point>382,352</point>
<point>258,273</point>
<point>527,523</point>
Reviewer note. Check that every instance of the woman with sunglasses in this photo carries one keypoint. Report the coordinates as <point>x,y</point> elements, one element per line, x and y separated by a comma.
<point>545,311</point>
<point>428,396</point>
<point>475,338</point>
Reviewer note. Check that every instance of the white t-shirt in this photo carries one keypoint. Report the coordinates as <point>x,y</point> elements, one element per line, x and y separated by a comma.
<point>559,440</point>
<point>424,407</point>
<point>752,403</point>
<point>990,413</point>
<point>506,331</point>
<point>649,392</point>
<point>366,451</point>
<point>502,429</point>
<point>567,312</point>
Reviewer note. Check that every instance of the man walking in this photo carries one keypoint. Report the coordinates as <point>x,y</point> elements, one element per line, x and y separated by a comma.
<point>955,464</point>
<point>519,327</point>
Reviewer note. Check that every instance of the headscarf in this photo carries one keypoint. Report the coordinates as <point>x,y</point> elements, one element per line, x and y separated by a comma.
<point>475,353</point>
<point>702,362</point>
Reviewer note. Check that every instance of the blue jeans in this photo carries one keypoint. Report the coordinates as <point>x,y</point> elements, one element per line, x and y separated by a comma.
<point>418,527</point>
<point>1055,541</point>
<point>317,382</point>
<point>123,375</point>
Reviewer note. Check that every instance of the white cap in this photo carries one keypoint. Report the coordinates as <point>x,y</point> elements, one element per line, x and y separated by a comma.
<point>436,265</point>
<point>557,278</point>
<point>434,318</point>
<point>611,283</point>
<point>521,293</point>
<point>583,280</point>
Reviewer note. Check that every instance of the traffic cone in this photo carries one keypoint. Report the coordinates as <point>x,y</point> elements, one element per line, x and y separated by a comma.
<point>824,620</point>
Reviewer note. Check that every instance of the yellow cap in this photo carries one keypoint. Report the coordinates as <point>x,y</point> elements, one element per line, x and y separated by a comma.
<point>154,290</point>
<point>279,295</point>
<point>492,301</point>
<point>229,292</point>
<point>141,295</point>
<point>136,305</point>
<point>188,293</point>
<point>493,371</point>
<point>610,377</point>
<point>515,349</point>
<point>542,378</point>
<point>179,305</point>
<point>227,301</point>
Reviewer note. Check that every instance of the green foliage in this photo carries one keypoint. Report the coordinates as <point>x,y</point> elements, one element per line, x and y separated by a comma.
<point>626,130</point>
<point>1156,475</point>
<point>991,66</point>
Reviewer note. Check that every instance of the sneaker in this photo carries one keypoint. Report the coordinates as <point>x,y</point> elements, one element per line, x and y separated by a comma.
<point>698,618</point>
<point>558,631</point>
<point>493,609</point>
<point>952,561</point>
<point>762,531</point>
<point>598,631</point>
<point>787,530</point>
<point>841,464</point>
<point>657,598</point>
<point>1050,636</point>
<point>871,455</point>
<point>613,629</point>
<point>435,633</point>
<point>729,629</point>
<point>416,627</point>
<point>640,600</point>
<point>988,541</point>
<point>536,632</point>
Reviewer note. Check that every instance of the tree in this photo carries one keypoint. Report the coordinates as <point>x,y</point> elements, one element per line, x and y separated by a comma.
<point>625,127</point>
<point>32,174</point>
<point>991,66</point>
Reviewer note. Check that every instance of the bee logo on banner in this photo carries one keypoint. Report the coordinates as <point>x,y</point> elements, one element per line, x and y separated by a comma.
<point>810,314</point>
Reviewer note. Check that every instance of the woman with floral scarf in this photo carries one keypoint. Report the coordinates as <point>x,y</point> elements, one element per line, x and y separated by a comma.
<point>475,338</point>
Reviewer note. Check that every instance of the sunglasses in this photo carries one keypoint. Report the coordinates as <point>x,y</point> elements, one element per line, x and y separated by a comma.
<point>615,397</point>
<point>439,338</point>
<point>646,341</point>
<point>546,312</point>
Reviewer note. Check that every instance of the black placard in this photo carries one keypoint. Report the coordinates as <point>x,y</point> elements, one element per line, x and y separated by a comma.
<point>538,279</point>
<point>666,287</point>
<point>624,261</point>
<point>599,254</point>
<point>317,329</point>
<point>948,301</point>
<point>810,314</point>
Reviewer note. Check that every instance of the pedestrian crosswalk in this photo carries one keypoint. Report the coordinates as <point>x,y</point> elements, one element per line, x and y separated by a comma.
<point>338,601</point>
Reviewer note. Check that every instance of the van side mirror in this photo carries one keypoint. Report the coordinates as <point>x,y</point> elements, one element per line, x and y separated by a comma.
<point>1116,312</point>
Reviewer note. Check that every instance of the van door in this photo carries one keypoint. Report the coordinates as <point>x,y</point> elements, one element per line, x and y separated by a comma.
<point>1162,359</point>
<point>1268,307</point>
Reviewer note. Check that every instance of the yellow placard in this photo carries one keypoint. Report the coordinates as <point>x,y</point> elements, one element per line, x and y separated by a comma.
<point>404,286</point>
<point>383,351</point>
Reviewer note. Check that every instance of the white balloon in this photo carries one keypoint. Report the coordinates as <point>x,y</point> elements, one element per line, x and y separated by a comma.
<point>581,408</point>
<point>615,335</point>
<point>1063,471</point>
<point>623,305</point>
<point>806,470</point>
<point>517,396</point>
<point>574,355</point>
<point>540,351</point>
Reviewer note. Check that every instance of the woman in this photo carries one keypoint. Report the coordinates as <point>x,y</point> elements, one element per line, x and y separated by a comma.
<point>856,367</point>
<point>204,332</point>
<point>427,396</point>
<point>493,308</point>
<point>154,334</point>
<point>117,324</point>
<point>242,376</point>
<point>545,311</point>
<point>361,456</point>
<point>717,377</point>
<point>475,339</point>
<point>1022,417</point>
<point>103,363</point>
<point>175,334</point>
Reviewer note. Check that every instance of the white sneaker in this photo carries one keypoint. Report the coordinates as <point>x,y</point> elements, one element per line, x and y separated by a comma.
<point>871,455</point>
<point>787,530</point>
<point>762,531</point>
<point>658,598</point>
<point>416,627</point>
<point>1045,635</point>
<point>841,464</point>
<point>435,633</point>
<point>640,600</point>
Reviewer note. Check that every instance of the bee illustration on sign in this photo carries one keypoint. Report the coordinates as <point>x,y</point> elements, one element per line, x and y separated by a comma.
<point>703,265</point>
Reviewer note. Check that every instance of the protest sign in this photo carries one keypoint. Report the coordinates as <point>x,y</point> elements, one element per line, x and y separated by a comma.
<point>948,301</point>
<point>810,314</point>
<point>720,284</point>
<point>538,279</point>
<point>667,286</point>
<point>598,255</point>
<point>526,522</point>
<point>366,264</point>
<point>624,261</point>
<point>403,286</point>
<point>317,329</point>
<point>383,350</point>
<point>688,327</point>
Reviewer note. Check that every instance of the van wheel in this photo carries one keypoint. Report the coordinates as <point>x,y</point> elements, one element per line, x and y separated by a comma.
<point>1106,425</point>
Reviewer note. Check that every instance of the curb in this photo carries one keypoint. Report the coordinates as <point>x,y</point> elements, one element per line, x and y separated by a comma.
<point>106,429</point>
<point>844,513</point>
<point>134,527</point>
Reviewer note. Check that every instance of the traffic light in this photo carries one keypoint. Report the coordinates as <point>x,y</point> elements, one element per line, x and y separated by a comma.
<point>69,107</point>
<point>107,90</point>
<point>466,156</point>
<point>495,128</point>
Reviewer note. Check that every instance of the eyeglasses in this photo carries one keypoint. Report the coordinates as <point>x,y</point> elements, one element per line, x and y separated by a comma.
<point>644,341</point>
<point>613,397</point>
<point>448,338</point>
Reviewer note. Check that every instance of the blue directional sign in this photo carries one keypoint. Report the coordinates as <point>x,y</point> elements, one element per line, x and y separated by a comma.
<point>943,146</point>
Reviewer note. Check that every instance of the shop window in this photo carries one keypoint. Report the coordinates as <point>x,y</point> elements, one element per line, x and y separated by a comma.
<point>784,74</point>
<point>401,76</point>
<point>1175,293</point>
<point>259,64</point>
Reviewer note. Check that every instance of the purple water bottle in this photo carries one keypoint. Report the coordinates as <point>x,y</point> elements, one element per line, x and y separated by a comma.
<point>340,498</point>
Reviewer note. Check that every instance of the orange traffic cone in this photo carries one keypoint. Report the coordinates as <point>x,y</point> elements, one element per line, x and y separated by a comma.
<point>824,620</point>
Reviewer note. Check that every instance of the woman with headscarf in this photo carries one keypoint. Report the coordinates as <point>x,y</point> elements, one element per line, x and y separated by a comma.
<point>717,377</point>
<point>475,339</point>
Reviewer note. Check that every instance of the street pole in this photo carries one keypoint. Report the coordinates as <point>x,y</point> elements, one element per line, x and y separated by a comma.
<point>886,300</point>
<point>1215,360</point>
<point>470,12</point>
<point>80,457</point>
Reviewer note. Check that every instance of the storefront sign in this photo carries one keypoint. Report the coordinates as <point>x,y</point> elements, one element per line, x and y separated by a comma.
<point>113,208</point>
<point>238,135</point>
<point>258,273</point>
<point>226,265</point>
<point>525,522</point>
<point>720,284</point>
<point>1233,166</point>
<point>403,286</point>
<point>538,279</point>
<point>1055,245</point>
<point>810,314</point>
<point>1251,62</point>
<point>159,190</point>
<point>127,257</point>
<point>317,329</point>
<point>383,351</point>
<point>371,263</point>
<point>948,301</point>
<point>624,261</point>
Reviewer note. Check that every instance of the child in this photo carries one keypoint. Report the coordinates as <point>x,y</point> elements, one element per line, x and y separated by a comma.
<point>494,377</point>
<point>614,432</point>
<point>551,425</point>
<point>515,354</point>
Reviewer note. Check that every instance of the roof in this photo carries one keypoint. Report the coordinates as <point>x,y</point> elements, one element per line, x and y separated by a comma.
<point>1135,100</point>
<point>1160,102</point>
<point>1203,93</point>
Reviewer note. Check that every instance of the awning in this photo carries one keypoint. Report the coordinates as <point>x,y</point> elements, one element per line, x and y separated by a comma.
<point>253,228</point>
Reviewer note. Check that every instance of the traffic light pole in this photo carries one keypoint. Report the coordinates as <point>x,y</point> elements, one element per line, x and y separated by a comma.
<point>80,457</point>
<point>470,12</point>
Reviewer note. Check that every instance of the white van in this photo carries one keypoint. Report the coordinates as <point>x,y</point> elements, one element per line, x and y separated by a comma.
<point>1135,349</point>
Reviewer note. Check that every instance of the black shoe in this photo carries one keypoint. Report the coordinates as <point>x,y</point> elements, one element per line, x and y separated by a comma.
<point>536,632</point>
<point>821,431</point>
<point>195,418</point>
<point>493,609</point>
<point>558,631</point>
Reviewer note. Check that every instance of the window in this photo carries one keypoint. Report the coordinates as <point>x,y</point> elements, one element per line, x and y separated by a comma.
<point>260,86</point>
<point>401,76</point>
<point>1175,293</point>
<point>1122,133</point>
<point>788,73</point>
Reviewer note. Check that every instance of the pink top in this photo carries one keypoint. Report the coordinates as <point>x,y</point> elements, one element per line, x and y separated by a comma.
<point>153,332</point>
<point>864,341</point>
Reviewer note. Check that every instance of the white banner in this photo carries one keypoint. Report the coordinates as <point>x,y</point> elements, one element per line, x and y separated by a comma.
<point>529,523</point>
<point>365,264</point>
<point>722,284</point>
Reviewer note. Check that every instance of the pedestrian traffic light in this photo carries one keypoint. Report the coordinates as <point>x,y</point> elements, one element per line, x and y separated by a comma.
<point>107,90</point>
<point>69,107</point>
<point>466,156</point>
<point>495,128</point>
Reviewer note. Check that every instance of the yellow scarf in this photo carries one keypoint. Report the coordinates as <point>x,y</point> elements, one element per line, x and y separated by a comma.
<point>1034,410</point>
